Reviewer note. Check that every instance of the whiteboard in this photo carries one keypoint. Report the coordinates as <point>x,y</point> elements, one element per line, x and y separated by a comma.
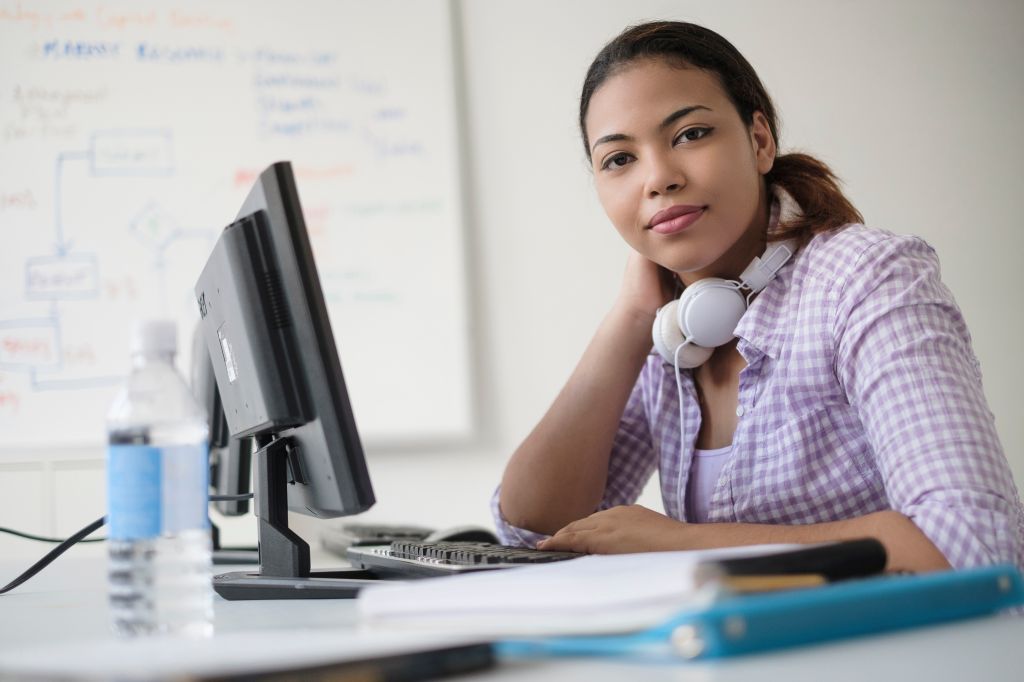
<point>130,133</point>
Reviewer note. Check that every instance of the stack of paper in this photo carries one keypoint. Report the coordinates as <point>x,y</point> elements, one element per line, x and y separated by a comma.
<point>590,595</point>
<point>655,605</point>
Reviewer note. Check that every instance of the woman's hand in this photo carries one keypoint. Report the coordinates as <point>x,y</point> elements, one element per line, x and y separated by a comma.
<point>619,530</point>
<point>646,286</point>
<point>638,529</point>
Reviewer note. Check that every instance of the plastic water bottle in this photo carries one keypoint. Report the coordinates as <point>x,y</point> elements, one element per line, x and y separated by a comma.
<point>159,566</point>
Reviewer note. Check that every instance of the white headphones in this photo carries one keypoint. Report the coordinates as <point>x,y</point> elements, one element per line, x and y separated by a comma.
<point>687,330</point>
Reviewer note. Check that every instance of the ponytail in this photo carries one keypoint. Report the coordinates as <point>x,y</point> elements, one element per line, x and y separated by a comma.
<point>815,188</point>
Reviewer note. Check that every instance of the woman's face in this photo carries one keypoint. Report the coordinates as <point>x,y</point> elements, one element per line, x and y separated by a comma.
<point>677,171</point>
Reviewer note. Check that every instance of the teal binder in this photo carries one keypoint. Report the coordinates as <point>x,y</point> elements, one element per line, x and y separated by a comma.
<point>736,625</point>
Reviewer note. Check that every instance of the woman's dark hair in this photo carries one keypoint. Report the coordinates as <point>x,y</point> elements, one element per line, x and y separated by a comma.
<point>809,181</point>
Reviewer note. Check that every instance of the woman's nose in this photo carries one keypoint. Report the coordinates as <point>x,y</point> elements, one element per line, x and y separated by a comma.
<point>664,178</point>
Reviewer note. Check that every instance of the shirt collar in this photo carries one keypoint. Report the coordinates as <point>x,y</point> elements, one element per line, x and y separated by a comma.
<point>760,330</point>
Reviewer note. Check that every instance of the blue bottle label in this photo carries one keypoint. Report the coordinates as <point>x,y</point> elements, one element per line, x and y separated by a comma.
<point>153,491</point>
<point>133,492</point>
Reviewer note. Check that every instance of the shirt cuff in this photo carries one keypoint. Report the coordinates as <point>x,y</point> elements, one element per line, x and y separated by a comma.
<point>971,536</point>
<point>507,533</point>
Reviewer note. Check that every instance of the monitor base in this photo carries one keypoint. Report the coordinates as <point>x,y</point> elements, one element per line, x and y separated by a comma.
<point>335,584</point>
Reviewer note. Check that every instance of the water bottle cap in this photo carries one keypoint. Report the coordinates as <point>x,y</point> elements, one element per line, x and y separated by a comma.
<point>155,337</point>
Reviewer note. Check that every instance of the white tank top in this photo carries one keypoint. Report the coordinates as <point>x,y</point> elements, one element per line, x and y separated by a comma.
<point>704,472</point>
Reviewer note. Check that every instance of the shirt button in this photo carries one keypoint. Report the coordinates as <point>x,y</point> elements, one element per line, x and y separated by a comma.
<point>739,410</point>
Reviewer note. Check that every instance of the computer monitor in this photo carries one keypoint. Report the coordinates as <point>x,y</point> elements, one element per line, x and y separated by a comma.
<point>264,322</point>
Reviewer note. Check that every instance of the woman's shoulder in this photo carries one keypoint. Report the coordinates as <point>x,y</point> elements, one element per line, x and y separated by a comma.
<point>856,250</point>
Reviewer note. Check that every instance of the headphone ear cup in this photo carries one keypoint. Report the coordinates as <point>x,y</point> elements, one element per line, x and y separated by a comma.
<point>668,337</point>
<point>709,311</point>
<point>666,333</point>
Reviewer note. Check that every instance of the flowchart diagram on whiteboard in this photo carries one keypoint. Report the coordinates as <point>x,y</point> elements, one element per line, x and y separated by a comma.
<point>129,138</point>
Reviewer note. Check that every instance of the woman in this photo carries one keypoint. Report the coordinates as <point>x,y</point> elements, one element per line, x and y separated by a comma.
<point>846,402</point>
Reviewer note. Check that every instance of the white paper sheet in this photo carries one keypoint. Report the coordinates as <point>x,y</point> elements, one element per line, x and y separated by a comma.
<point>599,593</point>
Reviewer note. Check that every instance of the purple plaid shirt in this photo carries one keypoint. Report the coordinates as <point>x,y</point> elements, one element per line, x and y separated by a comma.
<point>861,393</point>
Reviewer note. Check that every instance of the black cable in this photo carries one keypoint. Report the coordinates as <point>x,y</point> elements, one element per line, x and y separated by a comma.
<point>40,538</point>
<point>53,554</point>
<point>79,537</point>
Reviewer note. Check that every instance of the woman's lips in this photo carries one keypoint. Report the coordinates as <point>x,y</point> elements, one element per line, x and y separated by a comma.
<point>676,219</point>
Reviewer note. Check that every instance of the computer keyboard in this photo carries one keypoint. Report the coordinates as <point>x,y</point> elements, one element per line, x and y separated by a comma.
<point>475,553</point>
<point>421,559</point>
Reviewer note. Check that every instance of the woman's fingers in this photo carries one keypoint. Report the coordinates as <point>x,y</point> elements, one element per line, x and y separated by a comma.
<point>566,541</point>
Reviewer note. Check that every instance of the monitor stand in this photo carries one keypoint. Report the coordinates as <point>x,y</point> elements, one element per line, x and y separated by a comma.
<point>284,571</point>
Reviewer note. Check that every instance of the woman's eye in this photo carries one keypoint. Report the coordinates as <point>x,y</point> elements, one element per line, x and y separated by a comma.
<point>693,134</point>
<point>616,161</point>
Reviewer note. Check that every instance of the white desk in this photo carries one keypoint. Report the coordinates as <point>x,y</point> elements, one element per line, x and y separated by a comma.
<point>67,603</point>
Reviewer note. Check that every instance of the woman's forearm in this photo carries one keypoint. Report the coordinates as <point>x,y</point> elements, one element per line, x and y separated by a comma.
<point>908,549</point>
<point>559,472</point>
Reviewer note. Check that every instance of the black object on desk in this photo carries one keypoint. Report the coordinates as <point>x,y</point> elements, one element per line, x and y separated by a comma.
<point>420,665</point>
<point>832,561</point>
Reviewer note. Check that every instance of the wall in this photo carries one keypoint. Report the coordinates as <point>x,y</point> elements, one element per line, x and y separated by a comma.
<point>916,106</point>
